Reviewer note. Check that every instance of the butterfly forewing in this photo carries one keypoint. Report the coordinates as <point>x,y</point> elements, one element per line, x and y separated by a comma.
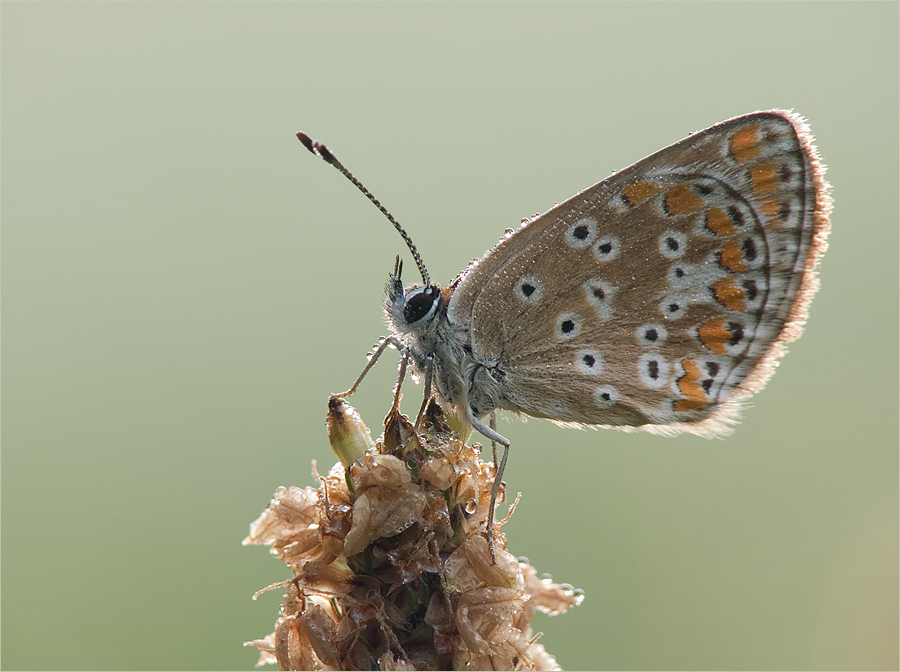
<point>661,295</point>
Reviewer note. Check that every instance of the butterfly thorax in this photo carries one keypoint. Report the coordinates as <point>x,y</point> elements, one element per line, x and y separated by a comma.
<point>417,316</point>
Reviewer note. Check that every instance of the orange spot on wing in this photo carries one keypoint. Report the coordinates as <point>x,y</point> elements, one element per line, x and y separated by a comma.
<point>764,178</point>
<point>683,405</point>
<point>714,335</point>
<point>770,207</point>
<point>745,144</point>
<point>690,386</point>
<point>719,222</point>
<point>640,192</point>
<point>732,257</point>
<point>729,294</point>
<point>681,200</point>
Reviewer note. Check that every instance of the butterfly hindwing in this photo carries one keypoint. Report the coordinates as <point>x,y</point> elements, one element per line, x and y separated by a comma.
<point>663,294</point>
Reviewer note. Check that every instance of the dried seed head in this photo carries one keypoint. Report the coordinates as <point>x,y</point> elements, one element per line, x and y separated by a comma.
<point>397,574</point>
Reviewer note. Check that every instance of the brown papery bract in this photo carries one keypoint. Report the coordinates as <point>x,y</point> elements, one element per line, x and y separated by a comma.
<point>391,563</point>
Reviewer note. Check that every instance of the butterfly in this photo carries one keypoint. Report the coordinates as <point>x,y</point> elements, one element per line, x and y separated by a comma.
<point>657,299</point>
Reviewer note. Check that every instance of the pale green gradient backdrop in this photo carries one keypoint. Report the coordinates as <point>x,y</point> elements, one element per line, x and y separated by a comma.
<point>183,285</point>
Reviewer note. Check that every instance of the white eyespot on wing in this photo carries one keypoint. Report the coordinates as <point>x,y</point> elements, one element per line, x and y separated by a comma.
<point>680,275</point>
<point>606,248</point>
<point>582,232</point>
<point>672,244</point>
<point>753,248</point>
<point>651,335</point>
<point>589,362</point>
<point>568,325</point>
<point>606,396</point>
<point>674,306</point>
<point>790,211</point>
<point>653,370</point>
<point>529,289</point>
<point>600,295</point>
<point>755,288</point>
<point>790,173</point>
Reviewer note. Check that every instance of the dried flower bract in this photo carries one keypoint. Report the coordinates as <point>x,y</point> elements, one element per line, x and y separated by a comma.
<point>391,563</point>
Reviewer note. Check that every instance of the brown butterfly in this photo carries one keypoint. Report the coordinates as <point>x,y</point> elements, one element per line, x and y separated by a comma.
<point>658,298</point>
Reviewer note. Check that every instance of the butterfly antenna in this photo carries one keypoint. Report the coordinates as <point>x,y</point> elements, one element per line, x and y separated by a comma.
<point>323,152</point>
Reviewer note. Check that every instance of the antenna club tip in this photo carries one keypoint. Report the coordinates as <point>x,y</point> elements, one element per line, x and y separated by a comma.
<point>307,141</point>
<point>316,148</point>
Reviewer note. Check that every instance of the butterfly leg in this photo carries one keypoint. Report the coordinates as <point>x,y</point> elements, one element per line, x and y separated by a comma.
<point>388,341</point>
<point>493,426</point>
<point>404,362</point>
<point>429,373</point>
<point>491,434</point>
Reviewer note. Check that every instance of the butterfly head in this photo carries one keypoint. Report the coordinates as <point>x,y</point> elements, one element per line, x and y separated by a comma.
<point>411,309</point>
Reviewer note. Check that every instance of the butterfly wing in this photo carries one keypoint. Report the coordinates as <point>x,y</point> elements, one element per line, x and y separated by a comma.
<point>662,295</point>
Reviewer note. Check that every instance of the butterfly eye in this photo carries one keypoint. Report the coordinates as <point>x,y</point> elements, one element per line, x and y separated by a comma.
<point>420,304</point>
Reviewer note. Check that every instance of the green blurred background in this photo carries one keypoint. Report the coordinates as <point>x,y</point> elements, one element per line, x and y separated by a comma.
<point>183,285</point>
